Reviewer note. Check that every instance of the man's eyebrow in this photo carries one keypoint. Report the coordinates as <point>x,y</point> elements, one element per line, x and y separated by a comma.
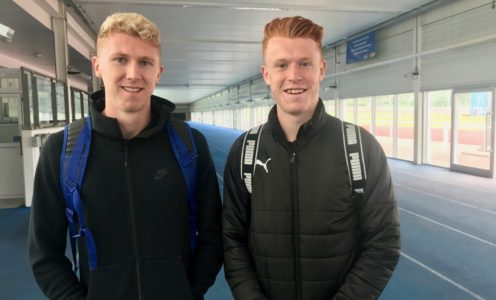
<point>127,55</point>
<point>285,60</point>
<point>119,54</point>
<point>305,58</point>
<point>147,58</point>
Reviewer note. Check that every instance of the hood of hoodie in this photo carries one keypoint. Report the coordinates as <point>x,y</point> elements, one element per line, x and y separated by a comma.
<point>161,110</point>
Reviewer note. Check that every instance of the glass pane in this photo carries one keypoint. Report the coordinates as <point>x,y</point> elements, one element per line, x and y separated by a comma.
<point>406,129</point>
<point>223,118</point>
<point>472,138</point>
<point>438,129</point>
<point>330,107</point>
<point>261,113</point>
<point>228,118</point>
<point>9,82</point>
<point>364,113</point>
<point>60,99</point>
<point>348,110</point>
<point>236,118</point>
<point>256,115</point>
<point>77,105</point>
<point>9,110</point>
<point>384,123</point>
<point>208,117</point>
<point>216,117</point>
<point>29,123</point>
<point>45,109</point>
<point>245,114</point>
<point>86,103</point>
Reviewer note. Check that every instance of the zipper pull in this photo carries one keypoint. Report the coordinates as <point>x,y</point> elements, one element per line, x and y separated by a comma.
<point>293,158</point>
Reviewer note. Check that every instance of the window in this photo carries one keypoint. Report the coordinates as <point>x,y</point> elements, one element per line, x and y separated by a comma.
<point>348,106</point>
<point>384,125</point>
<point>364,113</point>
<point>28,95</point>
<point>330,107</point>
<point>44,90</point>
<point>405,132</point>
<point>60,102</point>
<point>86,102</point>
<point>78,112</point>
<point>438,128</point>
<point>9,111</point>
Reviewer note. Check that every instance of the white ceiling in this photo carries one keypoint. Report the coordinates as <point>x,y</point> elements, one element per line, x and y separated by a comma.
<point>206,45</point>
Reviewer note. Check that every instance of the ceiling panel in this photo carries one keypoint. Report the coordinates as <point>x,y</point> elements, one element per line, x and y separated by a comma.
<point>206,45</point>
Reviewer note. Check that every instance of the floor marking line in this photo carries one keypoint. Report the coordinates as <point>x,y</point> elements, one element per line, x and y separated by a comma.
<point>450,228</point>
<point>459,286</point>
<point>447,199</point>
<point>443,181</point>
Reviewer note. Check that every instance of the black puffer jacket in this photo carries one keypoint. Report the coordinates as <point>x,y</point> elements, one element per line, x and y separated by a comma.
<point>135,201</point>
<point>301,235</point>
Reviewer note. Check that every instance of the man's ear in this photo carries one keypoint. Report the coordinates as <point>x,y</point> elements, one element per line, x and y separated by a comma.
<point>323,68</point>
<point>96,66</point>
<point>162,69</point>
<point>265,74</point>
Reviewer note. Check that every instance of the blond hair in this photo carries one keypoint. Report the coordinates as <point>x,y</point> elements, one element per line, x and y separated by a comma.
<point>130,23</point>
<point>293,27</point>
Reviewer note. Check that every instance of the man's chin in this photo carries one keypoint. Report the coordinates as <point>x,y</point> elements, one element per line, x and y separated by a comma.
<point>134,105</point>
<point>293,111</point>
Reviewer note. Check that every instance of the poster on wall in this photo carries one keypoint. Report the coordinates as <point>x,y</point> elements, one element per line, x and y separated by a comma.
<point>360,48</point>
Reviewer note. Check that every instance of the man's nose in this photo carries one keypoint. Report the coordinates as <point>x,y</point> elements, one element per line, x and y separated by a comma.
<point>133,71</point>
<point>294,71</point>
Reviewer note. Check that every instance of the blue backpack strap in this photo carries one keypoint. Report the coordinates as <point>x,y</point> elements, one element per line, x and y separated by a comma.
<point>75,151</point>
<point>184,148</point>
<point>352,140</point>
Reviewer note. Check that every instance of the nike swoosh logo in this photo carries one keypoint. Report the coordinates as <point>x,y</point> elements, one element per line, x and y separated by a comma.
<point>160,173</point>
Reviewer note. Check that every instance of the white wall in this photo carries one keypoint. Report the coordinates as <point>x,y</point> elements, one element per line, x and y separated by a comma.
<point>31,155</point>
<point>11,174</point>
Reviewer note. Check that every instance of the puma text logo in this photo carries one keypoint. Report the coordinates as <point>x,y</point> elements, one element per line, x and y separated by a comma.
<point>264,165</point>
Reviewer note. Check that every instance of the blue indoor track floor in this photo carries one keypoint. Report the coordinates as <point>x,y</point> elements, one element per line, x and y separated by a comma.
<point>448,225</point>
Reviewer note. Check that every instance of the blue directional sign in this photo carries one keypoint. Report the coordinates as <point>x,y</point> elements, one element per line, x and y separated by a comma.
<point>360,48</point>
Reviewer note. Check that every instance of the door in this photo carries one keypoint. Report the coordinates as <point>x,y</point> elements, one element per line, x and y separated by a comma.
<point>473,132</point>
<point>11,165</point>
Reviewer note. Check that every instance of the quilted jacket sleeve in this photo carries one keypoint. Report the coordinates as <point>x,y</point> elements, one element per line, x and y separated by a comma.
<point>379,228</point>
<point>238,263</point>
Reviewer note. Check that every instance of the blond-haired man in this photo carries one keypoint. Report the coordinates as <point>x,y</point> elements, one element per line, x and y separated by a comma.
<point>302,233</point>
<point>134,193</point>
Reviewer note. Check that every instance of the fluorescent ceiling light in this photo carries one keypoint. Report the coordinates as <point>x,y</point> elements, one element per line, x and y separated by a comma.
<point>6,32</point>
<point>259,8</point>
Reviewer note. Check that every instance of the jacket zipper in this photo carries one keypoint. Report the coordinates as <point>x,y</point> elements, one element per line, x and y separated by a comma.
<point>133,221</point>
<point>296,227</point>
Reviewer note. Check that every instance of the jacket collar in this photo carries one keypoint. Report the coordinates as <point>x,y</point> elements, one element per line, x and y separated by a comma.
<point>161,110</point>
<point>306,130</point>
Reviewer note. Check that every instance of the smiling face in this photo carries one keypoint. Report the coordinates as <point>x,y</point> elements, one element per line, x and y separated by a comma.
<point>293,68</point>
<point>130,69</point>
